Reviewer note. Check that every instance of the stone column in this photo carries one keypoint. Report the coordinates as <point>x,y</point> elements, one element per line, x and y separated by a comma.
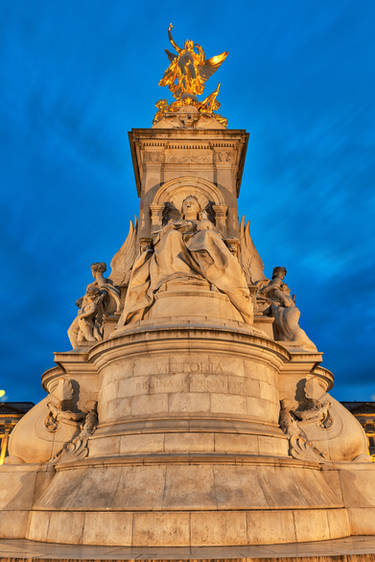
<point>156,216</point>
<point>220,215</point>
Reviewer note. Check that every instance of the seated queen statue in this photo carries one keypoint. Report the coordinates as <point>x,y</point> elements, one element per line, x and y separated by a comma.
<point>188,248</point>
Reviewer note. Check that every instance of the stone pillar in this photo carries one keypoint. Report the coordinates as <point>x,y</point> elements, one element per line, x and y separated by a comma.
<point>156,216</point>
<point>221,216</point>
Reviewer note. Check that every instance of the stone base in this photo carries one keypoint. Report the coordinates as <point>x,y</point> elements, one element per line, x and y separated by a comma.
<point>189,501</point>
<point>203,528</point>
<point>195,300</point>
<point>352,549</point>
<point>188,452</point>
<point>19,485</point>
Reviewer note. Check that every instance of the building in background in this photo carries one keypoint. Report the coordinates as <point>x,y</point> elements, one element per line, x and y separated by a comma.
<point>10,414</point>
<point>365,414</point>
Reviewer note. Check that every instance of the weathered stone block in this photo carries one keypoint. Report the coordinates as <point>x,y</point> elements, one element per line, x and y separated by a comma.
<point>189,442</point>
<point>142,443</point>
<point>148,405</point>
<point>189,402</point>
<point>231,443</point>
<point>161,529</point>
<point>228,404</point>
<point>270,527</point>
<point>219,528</point>
<point>108,528</point>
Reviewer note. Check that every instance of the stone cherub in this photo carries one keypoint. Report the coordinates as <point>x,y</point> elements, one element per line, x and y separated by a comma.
<point>101,297</point>
<point>187,246</point>
<point>282,307</point>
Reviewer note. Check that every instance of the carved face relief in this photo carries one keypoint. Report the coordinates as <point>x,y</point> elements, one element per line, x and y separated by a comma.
<point>314,389</point>
<point>63,390</point>
<point>98,267</point>
<point>190,208</point>
<point>279,272</point>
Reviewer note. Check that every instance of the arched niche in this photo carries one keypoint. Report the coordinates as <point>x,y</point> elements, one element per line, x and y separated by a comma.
<point>175,191</point>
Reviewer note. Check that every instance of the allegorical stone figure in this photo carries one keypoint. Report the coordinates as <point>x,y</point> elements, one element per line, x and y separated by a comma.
<point>86,326</point>
<point>101,296</point>
<point>189,247</point>
<point>320,428</point>
<point>284,310</point>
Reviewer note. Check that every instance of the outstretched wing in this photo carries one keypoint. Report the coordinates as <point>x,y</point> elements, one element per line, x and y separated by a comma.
<point>123,261</point>
<point>249,258</point>
<point>211,65</point>
<point>170,55</point>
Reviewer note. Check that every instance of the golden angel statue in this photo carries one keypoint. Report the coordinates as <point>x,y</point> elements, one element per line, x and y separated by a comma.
<point>189,69</point>
<point>186,76</point>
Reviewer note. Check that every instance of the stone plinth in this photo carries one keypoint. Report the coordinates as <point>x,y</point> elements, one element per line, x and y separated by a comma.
<point>188,451</point>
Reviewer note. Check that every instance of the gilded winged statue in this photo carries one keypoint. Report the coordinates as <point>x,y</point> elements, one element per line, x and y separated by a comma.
<point>186,76</point>
<point>189,69</point>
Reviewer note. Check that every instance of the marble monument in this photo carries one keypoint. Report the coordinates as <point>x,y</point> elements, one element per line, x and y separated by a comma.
<point>192,408</point>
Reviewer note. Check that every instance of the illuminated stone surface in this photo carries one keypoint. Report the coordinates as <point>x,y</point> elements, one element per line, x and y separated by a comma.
<point>193,410</point>
<point>352,549</point>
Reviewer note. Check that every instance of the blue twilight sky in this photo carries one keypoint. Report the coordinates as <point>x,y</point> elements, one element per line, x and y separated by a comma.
<point>76,76</point>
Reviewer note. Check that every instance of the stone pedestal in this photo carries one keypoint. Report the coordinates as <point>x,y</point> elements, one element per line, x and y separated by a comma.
<point>188,450</point>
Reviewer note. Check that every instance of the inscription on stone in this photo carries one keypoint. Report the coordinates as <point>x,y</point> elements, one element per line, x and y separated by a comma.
<point>175,366</point>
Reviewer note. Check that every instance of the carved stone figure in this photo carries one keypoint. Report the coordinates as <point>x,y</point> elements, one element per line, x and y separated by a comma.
<point>320,428</point>
<point>77,447</point>
<point>316,406</point>
<point>86,327</point>
<point>283,309</point>
<point>192,248</point>
<point>299,446</point>
<point>111,300</point>
<point>60,404</point>
<point>101,297</point>
<point>45,429</point>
